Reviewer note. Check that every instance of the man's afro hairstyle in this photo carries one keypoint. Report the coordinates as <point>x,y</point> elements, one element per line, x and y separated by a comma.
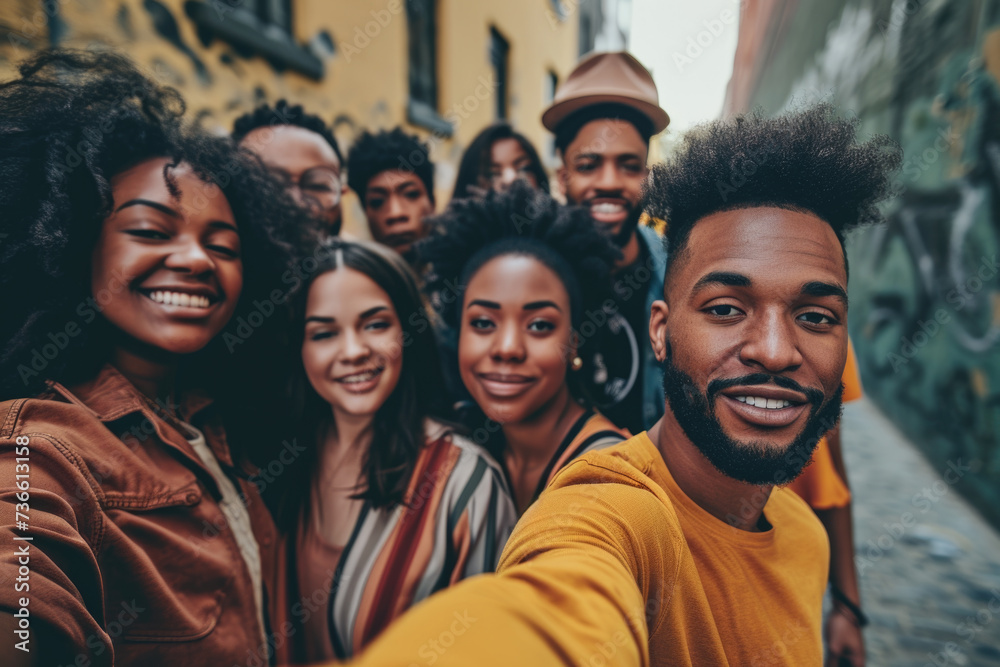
<point>520,221</point>
<point>809,160</point>
<point>372,154</point>
<point>283,113</point>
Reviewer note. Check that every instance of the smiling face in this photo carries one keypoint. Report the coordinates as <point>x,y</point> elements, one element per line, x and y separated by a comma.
<point>396,203</point>
<point>351,350</point>
<point>310,164</point>
<point>167,272</point>
<point>509,162</point>
<point>515,341</point>
<point>754,339</point>
<point>603,169</point>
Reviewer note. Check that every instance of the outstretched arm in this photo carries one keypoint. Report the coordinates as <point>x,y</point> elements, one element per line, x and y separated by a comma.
<point>574,579</point>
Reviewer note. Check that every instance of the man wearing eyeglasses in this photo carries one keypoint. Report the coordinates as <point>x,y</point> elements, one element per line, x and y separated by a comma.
<point>300,148</point>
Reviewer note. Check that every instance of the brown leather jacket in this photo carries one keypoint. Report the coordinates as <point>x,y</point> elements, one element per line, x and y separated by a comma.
<point>132,561</point>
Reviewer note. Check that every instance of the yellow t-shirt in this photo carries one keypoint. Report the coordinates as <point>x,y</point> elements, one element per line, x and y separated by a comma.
<point>614,565</point>
<point>820,485</point>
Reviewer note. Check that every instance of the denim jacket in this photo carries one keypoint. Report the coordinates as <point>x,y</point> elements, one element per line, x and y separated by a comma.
<point>652,376</point>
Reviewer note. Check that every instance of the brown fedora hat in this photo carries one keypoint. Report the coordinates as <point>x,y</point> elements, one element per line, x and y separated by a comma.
<point>607,77</point>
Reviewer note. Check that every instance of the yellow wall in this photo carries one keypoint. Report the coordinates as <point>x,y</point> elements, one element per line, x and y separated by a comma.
<point>365,82</point>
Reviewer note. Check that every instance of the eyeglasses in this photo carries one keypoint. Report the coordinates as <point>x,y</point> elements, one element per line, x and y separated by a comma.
<point>321,185</point>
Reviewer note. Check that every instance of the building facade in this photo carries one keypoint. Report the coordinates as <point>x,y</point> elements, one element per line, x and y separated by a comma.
<point>442,68</point>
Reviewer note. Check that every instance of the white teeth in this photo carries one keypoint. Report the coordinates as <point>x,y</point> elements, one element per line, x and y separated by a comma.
<point>361,377</point>
<point>606,208</point>
<point>761,402</point>
<point>180,299</point>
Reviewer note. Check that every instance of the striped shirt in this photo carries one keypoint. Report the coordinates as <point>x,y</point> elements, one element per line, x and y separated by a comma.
<point>454,524</point>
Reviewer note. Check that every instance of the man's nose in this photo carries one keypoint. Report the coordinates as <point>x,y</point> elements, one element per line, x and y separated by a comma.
<point>772,343</point>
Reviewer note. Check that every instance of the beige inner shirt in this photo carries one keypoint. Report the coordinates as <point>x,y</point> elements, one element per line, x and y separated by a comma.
<point>237,517</point>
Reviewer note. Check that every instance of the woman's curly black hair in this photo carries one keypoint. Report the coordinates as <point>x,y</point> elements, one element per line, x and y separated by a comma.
<point>519,221</point>
<point>372,154</point>
<point>68,124</point>
<point>809,160</point>
<point>283,113</point>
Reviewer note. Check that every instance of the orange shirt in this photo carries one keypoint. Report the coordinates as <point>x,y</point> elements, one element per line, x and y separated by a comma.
<point>614,565</point>
<point>820,484</point>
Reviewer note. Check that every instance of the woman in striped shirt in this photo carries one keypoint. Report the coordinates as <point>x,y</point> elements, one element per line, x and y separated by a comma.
<point>387,504</point>
<point>519,278</point>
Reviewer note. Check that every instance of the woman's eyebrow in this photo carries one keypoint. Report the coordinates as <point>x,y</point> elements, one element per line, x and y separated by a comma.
<point>222,224</point>
<point>152,204</point>
<point>536,305</point>
<point>371,311</point>
<point>493,305</point>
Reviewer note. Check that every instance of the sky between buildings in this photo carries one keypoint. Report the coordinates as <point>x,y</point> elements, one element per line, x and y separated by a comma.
<point>688,46</point>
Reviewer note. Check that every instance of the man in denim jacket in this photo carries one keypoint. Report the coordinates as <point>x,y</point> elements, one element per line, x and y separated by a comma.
<point>603,117</point>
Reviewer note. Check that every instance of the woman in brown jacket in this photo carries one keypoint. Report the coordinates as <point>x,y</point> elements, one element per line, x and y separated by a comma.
<point>128,517</point>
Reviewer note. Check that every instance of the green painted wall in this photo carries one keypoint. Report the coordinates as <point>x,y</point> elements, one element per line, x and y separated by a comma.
<point>925,289</point>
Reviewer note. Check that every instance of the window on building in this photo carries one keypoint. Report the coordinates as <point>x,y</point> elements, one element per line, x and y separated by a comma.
<point>551,83</point>
<point>499,57</point>
<point>255,27</point>
<point>591,19</point>
<point>422,109</point>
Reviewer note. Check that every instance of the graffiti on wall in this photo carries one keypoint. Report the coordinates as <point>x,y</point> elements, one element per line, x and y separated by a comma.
<point>927,284</point>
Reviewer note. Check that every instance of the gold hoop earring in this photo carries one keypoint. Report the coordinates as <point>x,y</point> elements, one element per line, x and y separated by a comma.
<point>576,364</point>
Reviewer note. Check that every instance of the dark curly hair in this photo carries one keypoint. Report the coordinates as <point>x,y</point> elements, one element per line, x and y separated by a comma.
<point>283,113</point>
<point>474,169</point>
<point>372,154</point>
<point>68,124</point>
<point>519,221</point>
<point>809,160</point>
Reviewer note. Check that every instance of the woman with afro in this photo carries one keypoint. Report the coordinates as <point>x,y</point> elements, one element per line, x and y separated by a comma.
<point>520,279</point>
<point>142,266</point>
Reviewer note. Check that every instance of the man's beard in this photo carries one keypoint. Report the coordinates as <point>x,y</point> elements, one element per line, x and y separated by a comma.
<point>750,462</point>
<point>624,235</point>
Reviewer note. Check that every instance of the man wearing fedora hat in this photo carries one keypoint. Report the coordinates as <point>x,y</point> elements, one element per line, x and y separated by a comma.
<point>603,117</point>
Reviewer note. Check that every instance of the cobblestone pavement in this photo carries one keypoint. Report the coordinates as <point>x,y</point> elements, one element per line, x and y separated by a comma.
<point>929,564</point>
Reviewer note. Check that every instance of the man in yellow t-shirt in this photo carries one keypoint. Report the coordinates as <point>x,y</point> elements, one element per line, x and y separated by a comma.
<point>679,546</point>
